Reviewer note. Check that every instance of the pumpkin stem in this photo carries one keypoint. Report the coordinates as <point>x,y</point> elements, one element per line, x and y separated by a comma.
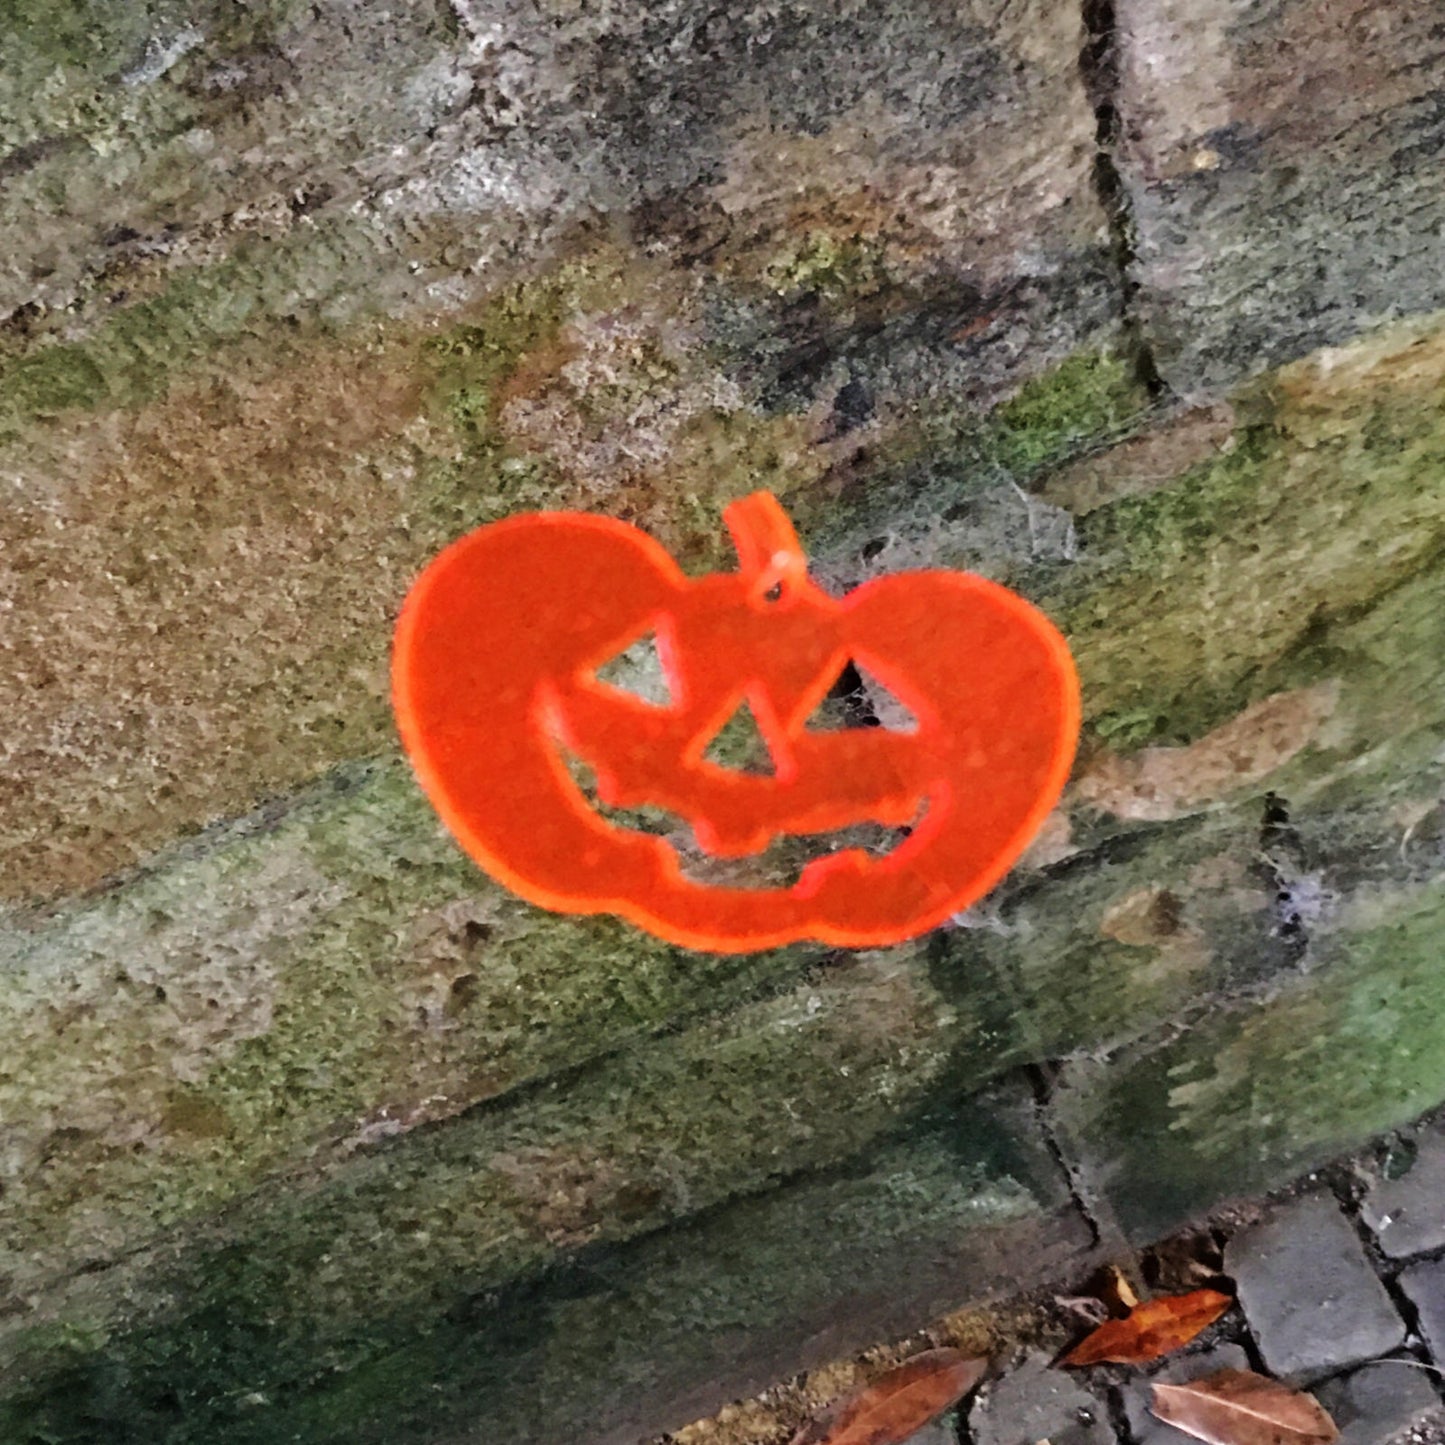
<point>769,553</point>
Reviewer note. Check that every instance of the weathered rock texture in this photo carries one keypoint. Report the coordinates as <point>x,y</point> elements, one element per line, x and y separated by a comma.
<point>310,1133</point>
<point>1284,168</point>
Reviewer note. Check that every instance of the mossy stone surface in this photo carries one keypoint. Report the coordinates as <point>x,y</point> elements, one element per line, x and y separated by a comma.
<point>1280,187</point>
<point>308,1131</point>
<point>616,1343</point>
<point>1254,1094</point>
<point>323,1020</point>
<point>1332,490</point>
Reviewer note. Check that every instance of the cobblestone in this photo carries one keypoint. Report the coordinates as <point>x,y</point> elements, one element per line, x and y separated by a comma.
<point>1034,1402</point>
<point>1407,1214</point>
<point>1315,1300</point>
<point>1146,1429</point>
<point>1309,1293</point>
<point>1424,1284</point>
<point>1378,1402</point>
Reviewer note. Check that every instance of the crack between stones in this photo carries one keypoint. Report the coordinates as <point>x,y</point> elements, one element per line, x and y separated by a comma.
<point>1344,1181</point>
<point>1040,1078</point>
<point>1099,70</point>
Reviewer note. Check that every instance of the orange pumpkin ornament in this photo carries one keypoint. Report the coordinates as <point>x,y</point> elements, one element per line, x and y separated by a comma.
<point>495,677</point>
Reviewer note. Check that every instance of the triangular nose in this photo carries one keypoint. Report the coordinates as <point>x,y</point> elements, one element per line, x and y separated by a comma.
<point>739,744</point>
<point>640,670</point>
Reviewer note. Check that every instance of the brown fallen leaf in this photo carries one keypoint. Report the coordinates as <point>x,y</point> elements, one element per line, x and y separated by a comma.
<point>899,1403</point>
<point>1184,1261</point>
<point>1151,1329</point>
<point>1238,1407</point>
<point>1121,1288</point>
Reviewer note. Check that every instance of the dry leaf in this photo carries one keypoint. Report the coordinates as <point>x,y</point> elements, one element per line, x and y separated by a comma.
<point>1184,1262</point>
<point>1089,1308</point>
<point>1238,1407</point>
<point>1159,783</point>
<point>898,1403</point>
<point>1151,1329</point>
<point>1121,1288</point>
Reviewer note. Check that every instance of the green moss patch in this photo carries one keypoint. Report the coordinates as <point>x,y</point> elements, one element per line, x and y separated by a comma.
<point>1249,1097</point>
<point>579,1348</point>
<point>255,303</point>
<point>943,463</point>
<point>1084,400</point>
<point>1329,498</point>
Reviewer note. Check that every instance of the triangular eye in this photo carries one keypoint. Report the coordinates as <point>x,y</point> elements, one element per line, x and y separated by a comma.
<point>638,669</point>
<point>890,710</point>
<point>739,745</point>
<point>858,700</point>
<point>846,704</point>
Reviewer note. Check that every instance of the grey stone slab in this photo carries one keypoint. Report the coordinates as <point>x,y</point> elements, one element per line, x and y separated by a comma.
<point>1425,1286</point>
<point>1033,1402</point>
<point>1281,188</point>
<point>603,104</point>
<point>1147,1429</point>
<point>1407,1214</point>
<point>1377,1402</point>
<point>1309,1293</point>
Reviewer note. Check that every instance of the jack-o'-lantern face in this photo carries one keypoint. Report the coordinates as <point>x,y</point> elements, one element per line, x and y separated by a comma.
<point>497,661</point>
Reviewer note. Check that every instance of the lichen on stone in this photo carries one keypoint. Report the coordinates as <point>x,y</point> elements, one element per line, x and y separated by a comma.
<point>1172,621</point>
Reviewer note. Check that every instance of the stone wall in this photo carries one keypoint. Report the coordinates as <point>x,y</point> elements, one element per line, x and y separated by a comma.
<point>307,1131</point>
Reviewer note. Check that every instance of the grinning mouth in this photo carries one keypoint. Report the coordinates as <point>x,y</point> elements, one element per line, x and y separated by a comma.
<point>780,865</point>
<point>783,862</point>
